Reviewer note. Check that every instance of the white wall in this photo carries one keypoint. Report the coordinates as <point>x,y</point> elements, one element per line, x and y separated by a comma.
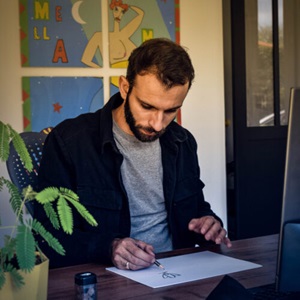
<point>203,110</point>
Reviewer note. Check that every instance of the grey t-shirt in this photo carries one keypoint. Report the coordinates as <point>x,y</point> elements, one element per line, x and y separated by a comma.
<point>142,176</point>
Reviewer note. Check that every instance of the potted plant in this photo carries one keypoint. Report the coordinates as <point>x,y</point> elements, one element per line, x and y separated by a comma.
<point>21,251</point>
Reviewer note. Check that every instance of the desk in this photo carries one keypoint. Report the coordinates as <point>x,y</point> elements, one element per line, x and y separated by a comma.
<point>261,250</point>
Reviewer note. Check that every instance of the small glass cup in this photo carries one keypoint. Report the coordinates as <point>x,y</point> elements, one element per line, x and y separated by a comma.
<point>86,286</point>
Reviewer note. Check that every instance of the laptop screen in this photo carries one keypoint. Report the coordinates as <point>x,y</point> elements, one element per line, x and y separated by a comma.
<point>288,264</point>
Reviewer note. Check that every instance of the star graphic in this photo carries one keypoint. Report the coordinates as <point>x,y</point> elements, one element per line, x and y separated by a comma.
<point>57,107</point>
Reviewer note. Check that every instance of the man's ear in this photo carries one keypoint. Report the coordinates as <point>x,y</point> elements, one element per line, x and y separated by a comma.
<point>123,87</point>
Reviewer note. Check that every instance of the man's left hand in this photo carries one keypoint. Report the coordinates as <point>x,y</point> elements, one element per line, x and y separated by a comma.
<point>211,229</point>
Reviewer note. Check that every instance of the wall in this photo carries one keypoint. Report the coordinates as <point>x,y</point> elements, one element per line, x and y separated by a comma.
<point>202,112</point>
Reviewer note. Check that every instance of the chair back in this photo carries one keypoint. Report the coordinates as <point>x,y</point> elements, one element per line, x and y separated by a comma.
<point>34,142</point>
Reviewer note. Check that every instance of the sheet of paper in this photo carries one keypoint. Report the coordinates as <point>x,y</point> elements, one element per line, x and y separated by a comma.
<point>185,268</point>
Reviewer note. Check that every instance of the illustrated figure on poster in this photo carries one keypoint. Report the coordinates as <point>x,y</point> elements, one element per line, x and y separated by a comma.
<point>120,44</point>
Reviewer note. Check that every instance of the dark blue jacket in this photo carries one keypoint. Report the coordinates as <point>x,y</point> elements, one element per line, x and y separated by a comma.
<point>81,154</point>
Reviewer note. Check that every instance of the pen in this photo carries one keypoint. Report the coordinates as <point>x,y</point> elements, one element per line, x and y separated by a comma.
<point>157,263</point>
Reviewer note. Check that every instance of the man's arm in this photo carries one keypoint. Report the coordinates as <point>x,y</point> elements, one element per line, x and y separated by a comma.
<point>85,244</point>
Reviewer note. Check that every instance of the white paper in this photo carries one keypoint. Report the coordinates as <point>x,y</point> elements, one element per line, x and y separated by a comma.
<point>185,268</point>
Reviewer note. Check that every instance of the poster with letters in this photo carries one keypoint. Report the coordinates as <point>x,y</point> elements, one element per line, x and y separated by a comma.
<point>68,33</point>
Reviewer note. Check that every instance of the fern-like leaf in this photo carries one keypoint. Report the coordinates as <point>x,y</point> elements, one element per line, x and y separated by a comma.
<point>9,248</point>
<point>4,142</point>
<point>17,278</point>
<point>47,195</point>
<point>74,199</point>
<point>2,277</point>
<point>25,248</point>
<point>65,215</point>
<point>84,213</point>
<point>28,193</point>
<point>2,179</point>
<point>15,200</point>
<point>48,237</point>
<point>21,149</point>
<point>52,215</point>
<point>68,194</point>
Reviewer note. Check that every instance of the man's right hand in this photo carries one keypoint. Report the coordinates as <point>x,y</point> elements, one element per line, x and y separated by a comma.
<point>132,254</point>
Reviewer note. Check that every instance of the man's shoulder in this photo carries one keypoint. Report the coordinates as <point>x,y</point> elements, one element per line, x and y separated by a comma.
<point>82,123</point>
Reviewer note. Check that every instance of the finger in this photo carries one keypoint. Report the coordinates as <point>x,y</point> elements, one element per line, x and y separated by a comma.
<point>145,247</point>
<point>227,242</point>
<point>120,252</point>
<point>213,231</point>
<point>210,226</point>
<point>221,236</point>
<point>141,255</point>
<point>137,253</point>
<point>197,224</point>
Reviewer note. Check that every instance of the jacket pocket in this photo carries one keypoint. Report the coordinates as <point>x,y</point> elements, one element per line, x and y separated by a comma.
<point>100,198</point>
<point>104,205</point>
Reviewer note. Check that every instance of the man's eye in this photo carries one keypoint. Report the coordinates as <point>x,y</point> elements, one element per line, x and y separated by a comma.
<point>146,106</point>
<point>171,111</point>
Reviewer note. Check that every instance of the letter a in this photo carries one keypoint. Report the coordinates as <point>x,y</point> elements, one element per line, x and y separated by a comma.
<point>60,52</point>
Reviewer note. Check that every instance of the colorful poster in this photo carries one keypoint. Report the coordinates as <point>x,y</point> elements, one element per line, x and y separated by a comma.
<point>48,101</point>
<point>68,33</point>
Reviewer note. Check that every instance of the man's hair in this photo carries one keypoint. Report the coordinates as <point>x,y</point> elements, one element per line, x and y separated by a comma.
<point>164,58</point>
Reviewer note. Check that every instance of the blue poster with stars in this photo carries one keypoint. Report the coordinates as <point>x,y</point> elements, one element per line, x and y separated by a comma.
<point>48,101</point>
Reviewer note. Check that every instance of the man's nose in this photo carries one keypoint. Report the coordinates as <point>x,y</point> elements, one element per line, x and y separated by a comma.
<point>156,121</point>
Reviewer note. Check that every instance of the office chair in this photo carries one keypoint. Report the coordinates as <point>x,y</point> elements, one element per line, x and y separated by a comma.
<point>19,176</point>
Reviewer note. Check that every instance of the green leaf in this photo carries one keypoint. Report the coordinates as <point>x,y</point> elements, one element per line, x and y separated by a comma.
<point>28,193</point>
<point>68,194</point>
<point>65,215</point>
<point>25,248</point>
<point>2,277</point>
<point>74,199</point>
<point>52,215</point>
<point>17,278</point>
<point>84,213</point>
<point>9,249</point>
<point>48,237</point>
<point>48,194</point>
<point>21,149</point>
<point>4,142</point>
<point>15,200</point>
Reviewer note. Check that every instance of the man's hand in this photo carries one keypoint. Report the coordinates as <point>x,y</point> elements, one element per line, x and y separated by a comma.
<point>132,254</point>
<point>211,229</point>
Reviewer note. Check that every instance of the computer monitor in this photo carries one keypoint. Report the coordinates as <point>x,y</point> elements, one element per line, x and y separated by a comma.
<point>288,263</point>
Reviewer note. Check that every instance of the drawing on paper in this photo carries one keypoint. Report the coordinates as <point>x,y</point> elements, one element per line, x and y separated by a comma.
<point>167,274</point>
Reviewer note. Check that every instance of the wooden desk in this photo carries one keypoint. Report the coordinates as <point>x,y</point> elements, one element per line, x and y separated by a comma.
<point>261,250</point>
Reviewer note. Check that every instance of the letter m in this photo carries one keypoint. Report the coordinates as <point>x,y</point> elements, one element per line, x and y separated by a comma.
<point>41,10</point>
<point>147,34</point>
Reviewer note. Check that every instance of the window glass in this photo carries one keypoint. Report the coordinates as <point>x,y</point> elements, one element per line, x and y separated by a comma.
<point>259,63</point>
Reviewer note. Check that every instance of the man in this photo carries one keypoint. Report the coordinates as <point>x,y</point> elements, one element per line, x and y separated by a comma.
<point>134,168</point>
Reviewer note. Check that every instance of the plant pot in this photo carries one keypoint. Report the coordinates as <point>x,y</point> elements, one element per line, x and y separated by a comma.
<point>36,285</point>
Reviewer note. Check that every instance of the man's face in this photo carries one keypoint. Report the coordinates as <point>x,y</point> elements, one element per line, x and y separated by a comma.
<point>149,108</point>
<point>142,133</point>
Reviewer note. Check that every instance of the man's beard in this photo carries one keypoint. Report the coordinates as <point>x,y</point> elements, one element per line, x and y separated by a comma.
<point>136,129</point>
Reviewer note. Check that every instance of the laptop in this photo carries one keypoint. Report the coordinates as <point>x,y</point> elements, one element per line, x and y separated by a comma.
<point>287,281</point>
